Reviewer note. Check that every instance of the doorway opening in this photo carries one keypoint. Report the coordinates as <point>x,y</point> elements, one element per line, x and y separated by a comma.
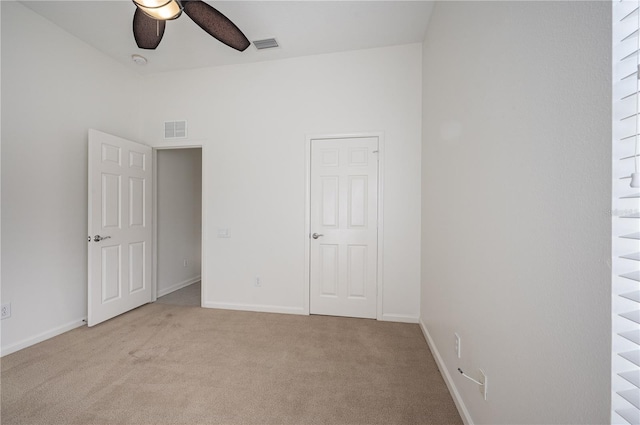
<point>178,224</point>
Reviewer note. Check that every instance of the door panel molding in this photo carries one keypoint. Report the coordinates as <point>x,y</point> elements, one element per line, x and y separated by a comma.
<point>353,157</point>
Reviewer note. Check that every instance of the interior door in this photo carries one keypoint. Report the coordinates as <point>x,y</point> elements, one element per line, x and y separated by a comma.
<point>344,227</point>
<point>120,232</point>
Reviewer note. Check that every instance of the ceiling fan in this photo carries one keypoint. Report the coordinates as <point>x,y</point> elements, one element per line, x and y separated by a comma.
<point>150,18</point>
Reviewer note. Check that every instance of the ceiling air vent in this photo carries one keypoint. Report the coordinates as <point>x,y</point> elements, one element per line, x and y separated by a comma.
<point>175,129</point>
<point>267,43</point>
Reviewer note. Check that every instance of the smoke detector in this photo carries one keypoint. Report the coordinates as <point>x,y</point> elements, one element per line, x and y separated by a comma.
<point>139,60</point>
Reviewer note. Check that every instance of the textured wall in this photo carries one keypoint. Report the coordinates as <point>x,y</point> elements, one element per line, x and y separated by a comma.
<point>515,198</point>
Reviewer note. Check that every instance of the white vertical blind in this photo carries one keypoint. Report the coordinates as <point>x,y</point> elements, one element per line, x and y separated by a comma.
<point>625,364</point>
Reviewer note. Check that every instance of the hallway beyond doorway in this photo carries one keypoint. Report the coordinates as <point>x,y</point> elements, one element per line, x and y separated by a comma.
<point>187,296</point>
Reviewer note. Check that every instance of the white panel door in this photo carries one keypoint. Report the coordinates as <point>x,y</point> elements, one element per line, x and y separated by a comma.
<point>120,214</point>
<point>344,227</point>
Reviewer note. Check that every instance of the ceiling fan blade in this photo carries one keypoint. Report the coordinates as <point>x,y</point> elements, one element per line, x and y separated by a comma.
<point>216,24</point>
<point>147,31</point>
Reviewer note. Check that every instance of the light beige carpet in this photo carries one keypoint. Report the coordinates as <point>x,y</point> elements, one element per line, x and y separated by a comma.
<point>172,364</point>
<point>189,295</point>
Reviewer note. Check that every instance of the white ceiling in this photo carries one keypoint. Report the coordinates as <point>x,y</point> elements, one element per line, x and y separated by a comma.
<point>301,28</point>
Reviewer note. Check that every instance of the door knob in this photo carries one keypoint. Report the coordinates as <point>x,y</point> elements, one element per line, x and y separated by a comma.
<point>316,235</point>
<point>98,238</point>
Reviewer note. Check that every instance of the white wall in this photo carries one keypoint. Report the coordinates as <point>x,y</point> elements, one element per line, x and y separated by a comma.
<point>54,87</point>
<point>179,217</point>
<point>515,205</point>
<point>515,230</point>
<point>252,120</point>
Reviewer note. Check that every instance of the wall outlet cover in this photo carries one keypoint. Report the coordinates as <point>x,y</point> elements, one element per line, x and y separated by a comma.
<point>5,311</point>
<point>483,388</point>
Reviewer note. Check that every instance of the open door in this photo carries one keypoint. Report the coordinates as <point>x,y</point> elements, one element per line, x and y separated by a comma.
<point>120,231</point>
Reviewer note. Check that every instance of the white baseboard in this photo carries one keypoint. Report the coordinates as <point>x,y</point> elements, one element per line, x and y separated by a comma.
<point>261,308</point>
<point>42,337</point>
<point>403,318</point>
<point>175,287</point>
<point>457,399</point>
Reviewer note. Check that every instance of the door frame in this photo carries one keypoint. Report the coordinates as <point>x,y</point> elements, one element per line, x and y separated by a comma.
<point>307,215</point>
<point>154,254</point>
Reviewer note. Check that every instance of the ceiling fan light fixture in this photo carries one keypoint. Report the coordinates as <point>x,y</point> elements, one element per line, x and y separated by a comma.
<point>160,10</point>
<point>152,4</point>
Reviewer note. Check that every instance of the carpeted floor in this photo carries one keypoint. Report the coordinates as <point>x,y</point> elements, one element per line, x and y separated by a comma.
<point>176,364</point>
<point>189,295</point>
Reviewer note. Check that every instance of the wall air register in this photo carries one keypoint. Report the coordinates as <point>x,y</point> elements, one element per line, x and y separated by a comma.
<point>175,130</point>
<point>267,43</point>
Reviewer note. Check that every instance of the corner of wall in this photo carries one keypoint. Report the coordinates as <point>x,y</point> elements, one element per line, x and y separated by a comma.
<point>457,398</point>
<point>43,336</point>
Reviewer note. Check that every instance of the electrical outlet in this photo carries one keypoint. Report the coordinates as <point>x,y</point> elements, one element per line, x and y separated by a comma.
<point>5,311</point>
<point>458,345</point>
<point>257,282</point>
<point>185,263</point>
